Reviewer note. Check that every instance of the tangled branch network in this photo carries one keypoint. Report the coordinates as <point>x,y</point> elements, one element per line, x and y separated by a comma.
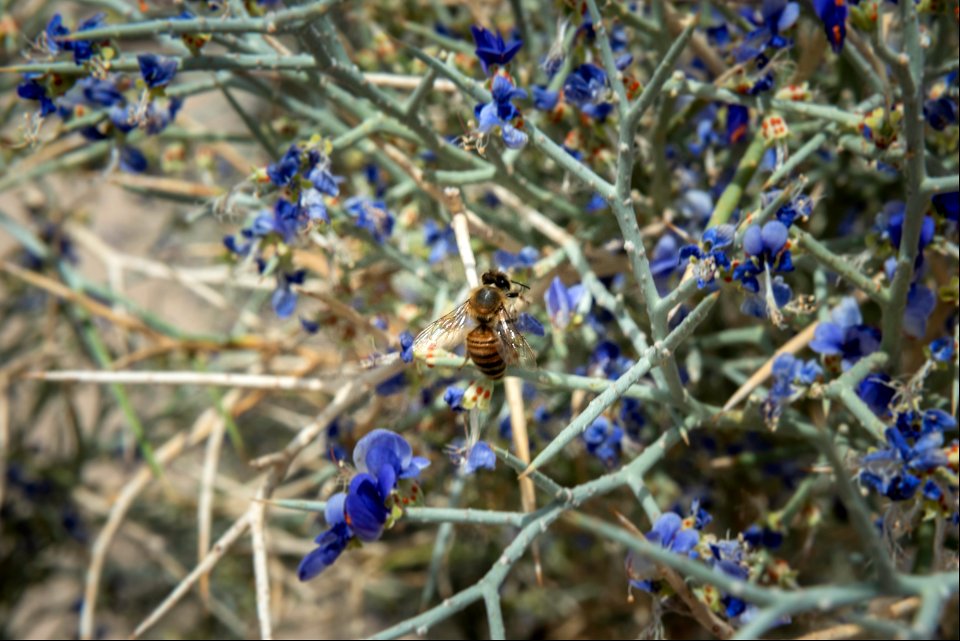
<point>602,318</point>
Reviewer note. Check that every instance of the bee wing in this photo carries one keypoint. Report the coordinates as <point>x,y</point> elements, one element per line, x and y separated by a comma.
<point>444,333</point>
<point>511,344</point>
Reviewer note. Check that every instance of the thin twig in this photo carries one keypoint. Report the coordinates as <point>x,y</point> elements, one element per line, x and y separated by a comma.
<point>191,379</point>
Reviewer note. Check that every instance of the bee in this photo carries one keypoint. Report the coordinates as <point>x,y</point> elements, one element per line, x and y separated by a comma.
<point>487,323</point>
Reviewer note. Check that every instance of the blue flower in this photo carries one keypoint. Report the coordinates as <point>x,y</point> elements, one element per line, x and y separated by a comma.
<point>587,84</point>
<point>364,510</point>
<point>132,160</point>
<point>631,417</point>
<point>921,301</point>
<point>157,71</point>
<point>598,112</point>
<point>764,537</point>
<point>492,50</point>
<point>608,361</point>
<point>527,324</point>
<point>895,472</point>
<point>892,222</point>
<point>406,347</point>
<point>284,221</point>
<point>942,350</point>
<point>669,532</point>
<point>877,391</point>
<point>523,259</point>
<point>32,89</point>
<point>453,397</point>
<point>603,440</point>
<point>788,372</point>
<point>365,506</point>
<point>282,172</point>
<point>52,34</point>
<point>371,215</point>
<point>778,16</point>
<point>665,261</point>
<point>480,456</point>
<point>561,302</point>
<point>940,113</point>
<point>101,92</point>
<point>845,336</point>
<point>948,205</point>
<point>544,99</point>
<point>284,299</point>
<point>833,14</point>
<point>440,241</point>
<point>768,246</point>
<point>325,182</point>
<point>382,448</point>
<point>595,204</point>
<point>710,255</point>
<point>500,111</point>
<point>82,49</point>
<point>937,421</point>
<point>738,123</point>
<point>331,545</point>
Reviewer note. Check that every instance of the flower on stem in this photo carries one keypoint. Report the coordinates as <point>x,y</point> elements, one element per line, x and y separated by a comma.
<point>940,113</point>
<point>878,392</point>
<point>768,252</point>
<point>671,533</point>
<point>32,89</point>
<point>492,50</point>
<point>523,259</point>
<point>284,299</point>
<point>562,302</point>
<point>738,123</point>
<point>778,16</point>
<point>500,112</point>
<point>586,85</point>
<point>710,255</point>
<point>157,71</point>
<point>371,215</point>
<point>603,440</point>
<point>833,15</point>
<point>406,347</point>
<point>82,50</point>
<point>790,375</point>
<point>441,241</point>
<point>370,504</point>
<point>845,338</point>
<point>898,471</point>
<point>942,350</point>
<point>282,172</point>
<point>544,99</point>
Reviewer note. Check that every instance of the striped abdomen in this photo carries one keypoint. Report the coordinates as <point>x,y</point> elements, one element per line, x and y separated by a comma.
<point>482,349</point>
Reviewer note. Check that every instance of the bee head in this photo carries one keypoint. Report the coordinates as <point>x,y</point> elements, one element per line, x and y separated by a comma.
<point>498,280</point>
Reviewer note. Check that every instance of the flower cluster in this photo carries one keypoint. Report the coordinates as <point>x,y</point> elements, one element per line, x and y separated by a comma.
<point>371,503</point>
<point>790,377</point>
<point>914,454</point>
<point>304,176</point>
<point>767,251</point>
<point>72,97</point>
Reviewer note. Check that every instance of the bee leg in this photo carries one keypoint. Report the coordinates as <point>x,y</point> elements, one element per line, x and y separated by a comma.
<point>466,360</point>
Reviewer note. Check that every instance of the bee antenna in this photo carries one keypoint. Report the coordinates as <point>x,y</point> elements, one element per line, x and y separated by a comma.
<point>521,285</point>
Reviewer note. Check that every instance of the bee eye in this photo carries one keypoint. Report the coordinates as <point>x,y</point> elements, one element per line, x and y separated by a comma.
<point>503,282</point>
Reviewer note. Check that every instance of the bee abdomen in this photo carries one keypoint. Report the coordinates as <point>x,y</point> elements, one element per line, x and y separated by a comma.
<point>482,349</point>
